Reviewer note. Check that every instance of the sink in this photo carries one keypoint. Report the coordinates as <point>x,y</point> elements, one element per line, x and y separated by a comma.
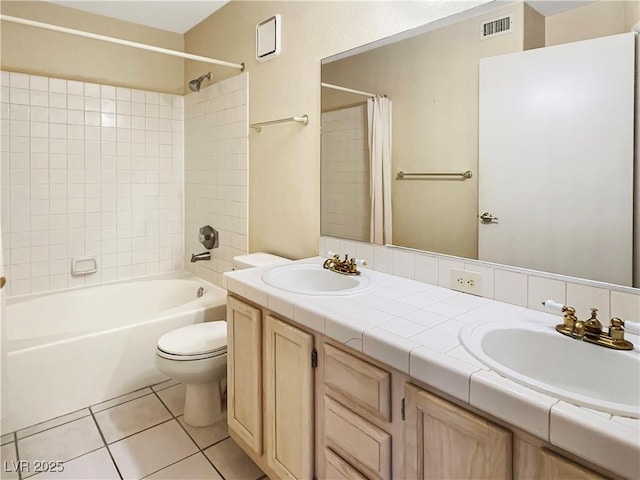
<point>308,279</point>
<point>535,355</point>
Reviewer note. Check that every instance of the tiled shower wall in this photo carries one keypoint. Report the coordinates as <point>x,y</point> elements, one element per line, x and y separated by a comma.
<point>88,170</point>
<point>345,174</point>
<point>216,160</point>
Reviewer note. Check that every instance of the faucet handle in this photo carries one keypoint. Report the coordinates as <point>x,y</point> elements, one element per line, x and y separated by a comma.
<point>616,328</point>
<point>360,262</point>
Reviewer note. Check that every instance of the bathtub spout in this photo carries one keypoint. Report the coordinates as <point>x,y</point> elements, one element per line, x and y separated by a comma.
<point>196,257</point>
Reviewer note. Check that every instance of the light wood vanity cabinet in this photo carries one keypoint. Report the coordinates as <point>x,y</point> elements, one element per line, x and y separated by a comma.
<point>343,420</point>
<point>360,436</point>
<point>447,441</point>
<point>270,391</point>
<point>534,462</point>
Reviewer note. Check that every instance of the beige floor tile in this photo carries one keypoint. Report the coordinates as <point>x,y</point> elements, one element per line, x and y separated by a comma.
<point>117,401</point>
<point>206,436</point>
<point>173,398</point>
<point>163,385</point>
<point>195,467</point>
<point>152,450</point>
<point>232,462</point>
<point>61,443</point>
<point>54,422</point>
<point>131,417</point>
<point>95,466</point>
<point>6,438</point>
<point>8,462</point>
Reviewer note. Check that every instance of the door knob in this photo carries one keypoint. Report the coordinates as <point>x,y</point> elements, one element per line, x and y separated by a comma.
<point>486,217</point>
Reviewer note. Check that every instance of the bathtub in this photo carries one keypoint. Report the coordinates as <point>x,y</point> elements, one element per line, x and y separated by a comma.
<point>69,350</point>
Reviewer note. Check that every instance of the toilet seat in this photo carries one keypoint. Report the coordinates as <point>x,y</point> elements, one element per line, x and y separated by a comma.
<point>194,342</point>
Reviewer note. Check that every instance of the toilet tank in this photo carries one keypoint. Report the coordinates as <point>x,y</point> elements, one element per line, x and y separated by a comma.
<point>257,260</point>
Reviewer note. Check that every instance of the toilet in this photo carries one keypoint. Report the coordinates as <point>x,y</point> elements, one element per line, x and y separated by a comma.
<point>196,355</point>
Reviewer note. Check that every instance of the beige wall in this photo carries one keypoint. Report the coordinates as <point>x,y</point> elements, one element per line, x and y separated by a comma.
<point>42,52</point>
<point>284,165</point>
<point>432,80</point>
<point>598,19</point>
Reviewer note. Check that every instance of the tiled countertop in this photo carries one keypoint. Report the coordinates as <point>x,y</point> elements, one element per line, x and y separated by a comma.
<point>413,327</point>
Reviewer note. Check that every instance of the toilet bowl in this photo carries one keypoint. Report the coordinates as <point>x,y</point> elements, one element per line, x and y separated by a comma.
<point>196,356</point>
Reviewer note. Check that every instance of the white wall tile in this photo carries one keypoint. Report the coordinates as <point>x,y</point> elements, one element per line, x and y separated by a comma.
<point>215,188</point>
<point>511,287</point>
<point>583,298</point>
<point>541,289</point>
<point>71,185</point>
<point>625,306</point>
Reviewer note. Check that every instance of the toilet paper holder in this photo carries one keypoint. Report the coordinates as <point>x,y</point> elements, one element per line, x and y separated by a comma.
<point>208,237</point>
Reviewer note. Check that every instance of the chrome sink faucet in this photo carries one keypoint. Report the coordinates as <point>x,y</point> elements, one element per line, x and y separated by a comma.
<point>591,330</point>
<point>198,257</point>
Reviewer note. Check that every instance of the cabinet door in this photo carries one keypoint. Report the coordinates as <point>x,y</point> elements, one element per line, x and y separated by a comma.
<point>244,373</point>
<point>288,382</point>
<point>533,462</point>
<point>446,441</point>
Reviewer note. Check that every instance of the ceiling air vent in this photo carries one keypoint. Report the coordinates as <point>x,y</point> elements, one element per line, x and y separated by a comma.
<point>496,27</point>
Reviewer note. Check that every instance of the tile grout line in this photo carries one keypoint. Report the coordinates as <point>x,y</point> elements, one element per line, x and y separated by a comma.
<point>150,387</point>
<point>15,438</point>
<point>200,450</point>
<point>106,445</point>
<point>118,404</point>
<point>49,420</point>
<point>167,466</point>
<point>140,431</point>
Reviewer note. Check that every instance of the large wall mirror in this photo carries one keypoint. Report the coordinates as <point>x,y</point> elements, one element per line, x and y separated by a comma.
<point>505,134</point>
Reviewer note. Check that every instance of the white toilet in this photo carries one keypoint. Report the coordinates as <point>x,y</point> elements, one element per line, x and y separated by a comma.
<point>196,355</point>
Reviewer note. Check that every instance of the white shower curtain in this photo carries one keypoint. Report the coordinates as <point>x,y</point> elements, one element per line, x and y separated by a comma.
<point>379,116</point>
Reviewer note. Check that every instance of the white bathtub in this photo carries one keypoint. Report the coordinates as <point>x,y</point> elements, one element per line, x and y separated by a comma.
<point>69,350</point>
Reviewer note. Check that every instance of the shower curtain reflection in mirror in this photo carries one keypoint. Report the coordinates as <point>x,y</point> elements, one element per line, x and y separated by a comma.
<point>379,135</point>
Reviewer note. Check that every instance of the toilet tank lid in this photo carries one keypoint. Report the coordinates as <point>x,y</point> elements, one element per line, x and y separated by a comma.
<point>260,259</point>
<point>195,339</point>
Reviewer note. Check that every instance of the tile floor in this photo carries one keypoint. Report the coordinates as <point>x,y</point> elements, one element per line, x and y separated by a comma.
<point>139,435</point>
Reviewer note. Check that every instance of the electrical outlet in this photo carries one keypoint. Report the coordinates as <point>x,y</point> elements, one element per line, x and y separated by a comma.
<point>466,281</point>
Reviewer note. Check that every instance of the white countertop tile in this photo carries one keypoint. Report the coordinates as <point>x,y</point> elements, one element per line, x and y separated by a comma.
<point>518,405</point>
<point>372,316</point>
<point>388,348</point>
<point>425,317</point>
<point>450,375</point>
<point>378,322</point>
<point>615,447</point>
<point>402,327</point>
<point>436,340</point>
<point>344,328</point>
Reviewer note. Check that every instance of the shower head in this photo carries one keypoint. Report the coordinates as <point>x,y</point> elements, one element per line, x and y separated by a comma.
<point>194,85</point>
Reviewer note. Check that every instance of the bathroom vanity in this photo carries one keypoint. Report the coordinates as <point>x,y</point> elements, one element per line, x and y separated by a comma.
<point>304,401</point>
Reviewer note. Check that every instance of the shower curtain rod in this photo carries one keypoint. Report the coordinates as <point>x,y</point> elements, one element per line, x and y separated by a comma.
<point>119,41</point>
<point>349,90</point>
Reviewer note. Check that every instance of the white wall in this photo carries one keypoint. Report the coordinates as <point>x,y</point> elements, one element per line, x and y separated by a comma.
<point>88,169</point>
<point>216,160</point>
<point>345,206</point>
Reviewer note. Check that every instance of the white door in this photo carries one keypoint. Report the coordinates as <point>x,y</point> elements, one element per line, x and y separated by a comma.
<point>556,158</point>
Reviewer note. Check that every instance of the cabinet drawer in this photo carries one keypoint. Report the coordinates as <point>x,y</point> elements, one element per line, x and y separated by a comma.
<point>338,469</point>
<point>356,440</point>
<point>366,385</point>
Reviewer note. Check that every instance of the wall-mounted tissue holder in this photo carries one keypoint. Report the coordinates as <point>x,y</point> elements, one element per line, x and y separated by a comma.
<point>83,266</point>
<point>209,237</point>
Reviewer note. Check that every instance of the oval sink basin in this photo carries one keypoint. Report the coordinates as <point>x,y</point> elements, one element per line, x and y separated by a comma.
<point>535,355</point>
<point>309,279</point>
